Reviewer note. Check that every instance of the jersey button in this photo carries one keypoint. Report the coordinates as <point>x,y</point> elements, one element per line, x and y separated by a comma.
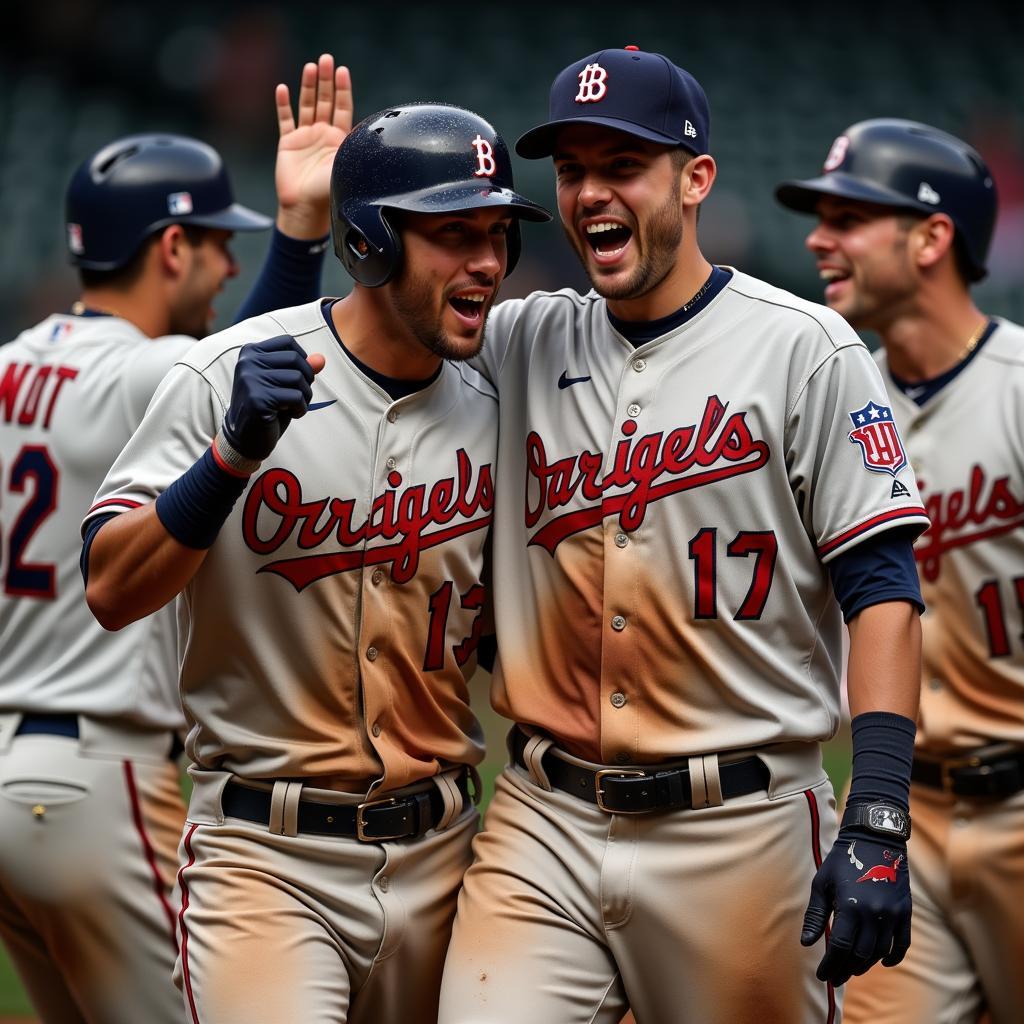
<point>376,729</point>
<point>936,684</point>
<point>639,365</point>
<point>621,540</point>
<point>391,462</point>
<point>618,699</point>
<point>371,653</point>
<point>392,416</point>
<point>633,410</point>
<point>618,623</point>
<point>622,757</point>
<point>383,883</point>
<point>378,577</point>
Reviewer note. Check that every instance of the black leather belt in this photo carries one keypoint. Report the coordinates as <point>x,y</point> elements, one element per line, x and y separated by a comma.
<point>638,791</point>
<point>373,821</point>
<point>995,772</point>
<point>38,724</point>
<point>48,725</point>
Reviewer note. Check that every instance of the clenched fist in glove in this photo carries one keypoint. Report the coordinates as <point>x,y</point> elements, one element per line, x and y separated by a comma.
<point>865,883</point>
<point>272,386</point>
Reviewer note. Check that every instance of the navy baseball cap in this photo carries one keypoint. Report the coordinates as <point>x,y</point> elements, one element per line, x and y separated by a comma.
<point>642,94</point>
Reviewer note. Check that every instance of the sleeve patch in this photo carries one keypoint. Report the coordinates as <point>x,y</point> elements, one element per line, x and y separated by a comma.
<point>880,445</point>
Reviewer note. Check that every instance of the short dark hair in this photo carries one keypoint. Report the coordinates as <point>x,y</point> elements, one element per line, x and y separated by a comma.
<point>127,274</point>
<point>962,262</point>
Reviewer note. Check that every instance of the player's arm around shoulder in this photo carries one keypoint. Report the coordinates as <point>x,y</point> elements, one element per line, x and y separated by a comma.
<point>177,480</point>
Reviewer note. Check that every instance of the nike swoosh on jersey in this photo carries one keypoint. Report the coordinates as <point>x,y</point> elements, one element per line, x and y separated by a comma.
<point>319,405</point>
<point>567,382</point>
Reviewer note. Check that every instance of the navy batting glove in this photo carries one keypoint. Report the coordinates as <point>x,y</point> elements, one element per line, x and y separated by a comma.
<point>865,883</point>
<point>272,386</point>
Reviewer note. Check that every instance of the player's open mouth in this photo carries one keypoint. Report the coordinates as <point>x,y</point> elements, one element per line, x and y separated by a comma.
<point>607,238</point>
<point>833,278</point>
<point>469,307</point>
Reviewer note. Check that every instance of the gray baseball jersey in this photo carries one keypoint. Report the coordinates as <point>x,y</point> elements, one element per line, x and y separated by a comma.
<point>667,513</point>
<point>90,826</point>
<point>72,391</point>
<point>332,627</point>
<point>966,444</point>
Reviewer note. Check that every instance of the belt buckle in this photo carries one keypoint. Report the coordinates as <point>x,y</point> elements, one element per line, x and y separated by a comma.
<point>947,768</point>
<point>361,821</point>
<point>625,773</point>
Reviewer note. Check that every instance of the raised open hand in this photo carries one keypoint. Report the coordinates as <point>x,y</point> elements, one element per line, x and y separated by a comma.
<point>305,151</point>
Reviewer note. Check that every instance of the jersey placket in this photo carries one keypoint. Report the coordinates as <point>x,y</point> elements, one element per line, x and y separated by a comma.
<point>391,466</point>
<point>621,599</point>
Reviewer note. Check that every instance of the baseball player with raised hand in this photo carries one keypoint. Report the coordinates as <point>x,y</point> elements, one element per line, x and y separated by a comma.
<point>905,217</point>
<point>318,485</point>
<point>90,806</point>
<point>699,479</point>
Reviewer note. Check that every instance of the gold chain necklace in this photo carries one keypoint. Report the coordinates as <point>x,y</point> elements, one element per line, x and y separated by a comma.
<point>972,341</point>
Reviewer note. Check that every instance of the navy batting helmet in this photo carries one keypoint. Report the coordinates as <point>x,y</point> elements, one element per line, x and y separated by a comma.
<point>140,184</point>
<point>907,166</point>
<point>419,158</point>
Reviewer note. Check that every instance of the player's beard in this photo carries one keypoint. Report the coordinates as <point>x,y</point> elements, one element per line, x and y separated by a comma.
<point>415,301</point>
<point>882,289</point>
<point>659,249</point>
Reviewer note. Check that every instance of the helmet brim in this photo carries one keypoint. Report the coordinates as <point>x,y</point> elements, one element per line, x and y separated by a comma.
<point>539,142</point>
<point>235,218</point>
<point>804,196</point>
<point>467,195</point>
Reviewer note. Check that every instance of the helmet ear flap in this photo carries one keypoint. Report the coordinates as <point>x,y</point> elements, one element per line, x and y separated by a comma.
<point>369,247</point>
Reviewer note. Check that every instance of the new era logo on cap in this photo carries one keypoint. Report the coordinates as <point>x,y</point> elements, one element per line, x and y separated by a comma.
<point>629,90</point>
<point>179,203</point>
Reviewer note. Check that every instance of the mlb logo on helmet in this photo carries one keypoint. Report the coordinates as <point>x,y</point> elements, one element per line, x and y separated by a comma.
<point>879,440</point>
<point>75,243</point>
<point>179,203</point>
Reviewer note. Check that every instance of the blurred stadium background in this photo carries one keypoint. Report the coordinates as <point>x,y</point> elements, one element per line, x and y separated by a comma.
<point>782,80</point>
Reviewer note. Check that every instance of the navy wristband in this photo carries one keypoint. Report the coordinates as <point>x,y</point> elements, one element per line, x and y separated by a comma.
<point>195,507</point>
<point>883,752</point>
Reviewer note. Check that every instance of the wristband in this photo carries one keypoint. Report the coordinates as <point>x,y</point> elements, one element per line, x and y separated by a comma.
<point>230,459</point>
<point>195,507</point>
<point>883,751</point>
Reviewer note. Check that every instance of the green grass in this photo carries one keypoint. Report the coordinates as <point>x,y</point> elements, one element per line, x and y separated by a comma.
<point>837,763</point>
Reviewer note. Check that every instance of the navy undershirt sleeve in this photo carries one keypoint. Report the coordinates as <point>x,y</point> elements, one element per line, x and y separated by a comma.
<point>88,536</point>
<point>290,275</point>
<point>881,568</point>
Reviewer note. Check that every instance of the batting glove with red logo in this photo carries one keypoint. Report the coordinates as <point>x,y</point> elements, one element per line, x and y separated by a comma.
<point>864,885</point>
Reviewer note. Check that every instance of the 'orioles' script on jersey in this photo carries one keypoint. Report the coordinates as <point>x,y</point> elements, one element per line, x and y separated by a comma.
<point>332,627</point>
<point>667,519</point>
<point>404,514</point>
<point>981,510</point>
<point>717,447</point>
<point>967,446</point>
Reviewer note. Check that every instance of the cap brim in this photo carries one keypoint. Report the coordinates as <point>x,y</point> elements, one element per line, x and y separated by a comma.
<point>467,196</point>
<point>235,218</point>
<point>803,196</point>
<point>540,141</point>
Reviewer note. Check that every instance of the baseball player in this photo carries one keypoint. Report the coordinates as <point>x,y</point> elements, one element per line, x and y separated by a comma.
<point>905,216</point>
<point>90,806</point>
<point>699,479</point>
<point>331,589</point>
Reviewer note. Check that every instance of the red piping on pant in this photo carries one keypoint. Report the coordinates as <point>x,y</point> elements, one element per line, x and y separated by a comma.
<point>812,803</point>
<point>147,848</point>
